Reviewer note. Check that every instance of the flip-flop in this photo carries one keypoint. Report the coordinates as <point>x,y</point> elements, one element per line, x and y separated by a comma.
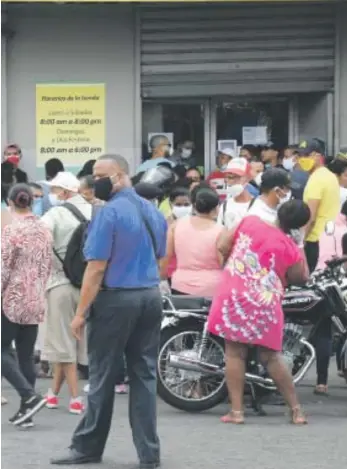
<point>321,391</point>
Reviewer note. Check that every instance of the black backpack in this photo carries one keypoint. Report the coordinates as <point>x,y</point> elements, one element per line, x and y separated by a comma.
<point>74,263</point>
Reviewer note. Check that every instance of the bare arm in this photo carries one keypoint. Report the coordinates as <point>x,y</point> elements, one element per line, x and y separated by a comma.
<point>170,251</point>
<point>314,206</point>
<point>298,274</point>
<point>224,243</point>
<point>91,284</point>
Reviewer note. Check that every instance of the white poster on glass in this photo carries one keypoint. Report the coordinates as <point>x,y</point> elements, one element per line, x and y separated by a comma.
<point>168,135</point>
<point>227,144</point>
<point>254,135</point>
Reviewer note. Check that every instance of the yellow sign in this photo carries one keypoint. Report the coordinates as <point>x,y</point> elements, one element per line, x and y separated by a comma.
<point>70,122</point>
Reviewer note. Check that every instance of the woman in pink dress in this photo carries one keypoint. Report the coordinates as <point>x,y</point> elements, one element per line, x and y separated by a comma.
<point>247,309</point>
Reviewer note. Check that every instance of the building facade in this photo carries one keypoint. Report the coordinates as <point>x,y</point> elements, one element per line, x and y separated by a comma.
<point>200,71</point>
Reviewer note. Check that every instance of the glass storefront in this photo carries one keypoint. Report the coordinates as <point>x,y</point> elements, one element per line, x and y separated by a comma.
<point>206,122</point>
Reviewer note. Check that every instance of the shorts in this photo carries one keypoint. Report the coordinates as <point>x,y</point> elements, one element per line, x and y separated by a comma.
<point>60,346</point>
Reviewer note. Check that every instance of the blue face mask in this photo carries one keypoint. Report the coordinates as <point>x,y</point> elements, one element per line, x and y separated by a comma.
<point>37,207</point>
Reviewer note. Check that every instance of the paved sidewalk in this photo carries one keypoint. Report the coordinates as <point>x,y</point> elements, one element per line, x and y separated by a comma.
<point>195,441</point>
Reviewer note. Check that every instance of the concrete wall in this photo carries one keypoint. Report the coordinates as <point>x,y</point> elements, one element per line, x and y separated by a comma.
<point>341,80</point>
<point>73,44</point>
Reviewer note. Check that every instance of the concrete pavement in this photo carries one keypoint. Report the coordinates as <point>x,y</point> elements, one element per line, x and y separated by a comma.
<point>195,441</point>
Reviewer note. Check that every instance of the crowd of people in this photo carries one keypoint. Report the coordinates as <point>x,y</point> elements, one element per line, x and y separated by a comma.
<point>99,247</point>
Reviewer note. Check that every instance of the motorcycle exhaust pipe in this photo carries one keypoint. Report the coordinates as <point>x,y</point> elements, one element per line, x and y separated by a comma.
<point>190,364</point>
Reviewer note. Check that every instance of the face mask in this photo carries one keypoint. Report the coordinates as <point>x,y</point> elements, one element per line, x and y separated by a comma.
<point>286,198</point>
<point>306,163</point>
<point>288,164</point>
<point>267,165</point>
<point>14,159</point>
<point>37,207</point>
<point>186,153</point>
<point>168,151</point>
<point>54,201</point>
<point>155,202</point>
<point>181,211</point>
<point>258,179</point>
<point>223,167</point>
<point>103,188</point>
<point>235,190</point>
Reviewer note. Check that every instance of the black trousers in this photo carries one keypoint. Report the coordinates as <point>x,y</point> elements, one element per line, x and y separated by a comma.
<point>312,254</point>
<point>122,322</point>
<point>18,368</point>
<point>323,339</point>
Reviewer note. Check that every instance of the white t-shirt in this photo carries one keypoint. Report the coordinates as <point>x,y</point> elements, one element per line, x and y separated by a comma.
<point>231,215</point>
<point>263,211</point>
<point>62,224</point>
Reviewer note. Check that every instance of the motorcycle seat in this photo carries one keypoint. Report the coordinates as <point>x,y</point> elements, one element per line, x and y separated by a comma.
<point>189,303</point>
<point>336,262</point>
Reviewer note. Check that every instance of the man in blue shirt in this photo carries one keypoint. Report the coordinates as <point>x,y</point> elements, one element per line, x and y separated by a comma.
<point>126,239</point>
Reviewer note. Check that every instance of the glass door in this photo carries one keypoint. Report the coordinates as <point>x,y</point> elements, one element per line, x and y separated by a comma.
<point>183,120</point>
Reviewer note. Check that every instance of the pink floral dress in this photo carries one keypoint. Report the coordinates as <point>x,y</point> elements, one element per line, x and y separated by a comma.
<point>247,305</point>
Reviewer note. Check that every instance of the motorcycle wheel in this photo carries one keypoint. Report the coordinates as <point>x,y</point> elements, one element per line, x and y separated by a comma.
<point>191,384</point>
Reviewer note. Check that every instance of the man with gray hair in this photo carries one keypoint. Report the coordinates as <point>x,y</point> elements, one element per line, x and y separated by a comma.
<point>126,240</point>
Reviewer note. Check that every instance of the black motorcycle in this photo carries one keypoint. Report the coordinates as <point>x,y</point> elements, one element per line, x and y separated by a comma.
<point>191,361</point>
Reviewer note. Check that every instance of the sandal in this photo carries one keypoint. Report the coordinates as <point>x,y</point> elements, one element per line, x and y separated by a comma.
<point>234,416</point>
<point>321,390</point>
<point>297,416</point>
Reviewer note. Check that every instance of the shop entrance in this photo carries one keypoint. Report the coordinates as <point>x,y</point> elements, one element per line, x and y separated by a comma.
<point>207,121</point>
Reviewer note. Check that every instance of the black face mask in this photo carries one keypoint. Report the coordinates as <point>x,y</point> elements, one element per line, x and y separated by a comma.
<point>103,189</point>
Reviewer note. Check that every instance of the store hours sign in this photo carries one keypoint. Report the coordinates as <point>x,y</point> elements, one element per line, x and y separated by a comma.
<point>70,122</point>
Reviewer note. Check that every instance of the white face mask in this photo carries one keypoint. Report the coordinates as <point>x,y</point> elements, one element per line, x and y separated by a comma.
<point>179,211</point>
<point>258,179</point>
<point>288,164</point>
<point>343,195</point>
<point>186,153</point>
<point>235,190</point>
<point>284,199</point>
<point>54,201</point>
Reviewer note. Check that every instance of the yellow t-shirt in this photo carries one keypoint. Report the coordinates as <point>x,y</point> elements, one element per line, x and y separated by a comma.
<point>165,208</point>
<point>323,185</point>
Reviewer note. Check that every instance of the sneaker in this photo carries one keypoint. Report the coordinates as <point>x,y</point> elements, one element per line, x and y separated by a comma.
<point>76,406</point>
<point>121,389</point>
<point>86,388</point>
<point>28,423</point>
<point>30,407</point>
<point>52,401</point>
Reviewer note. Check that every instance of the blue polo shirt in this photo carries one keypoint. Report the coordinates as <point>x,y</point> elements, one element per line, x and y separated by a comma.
<point>117,234</point>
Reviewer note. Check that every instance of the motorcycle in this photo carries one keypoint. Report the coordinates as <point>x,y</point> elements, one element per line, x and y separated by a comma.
<point>191,361</point>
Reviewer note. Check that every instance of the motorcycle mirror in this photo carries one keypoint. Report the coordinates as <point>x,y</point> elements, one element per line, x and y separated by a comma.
<point>330,228</point>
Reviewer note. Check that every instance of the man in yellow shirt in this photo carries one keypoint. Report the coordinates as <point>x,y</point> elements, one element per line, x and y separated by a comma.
<point>322,194</point>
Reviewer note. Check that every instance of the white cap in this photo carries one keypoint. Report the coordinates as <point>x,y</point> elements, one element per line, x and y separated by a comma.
<point>227,151</point>
<point>65,180</point>
<point>239,166</point>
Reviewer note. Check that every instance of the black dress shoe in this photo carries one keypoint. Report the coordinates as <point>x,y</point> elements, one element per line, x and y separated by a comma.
<point>149,465</point>
<point>75,457</point>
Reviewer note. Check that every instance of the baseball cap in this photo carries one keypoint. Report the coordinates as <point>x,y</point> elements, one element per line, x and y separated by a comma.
<point>227,151</point>
<point>276,177</point>
<point>312,145</point>
<point>65,180</point>
<point>239,166</point>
